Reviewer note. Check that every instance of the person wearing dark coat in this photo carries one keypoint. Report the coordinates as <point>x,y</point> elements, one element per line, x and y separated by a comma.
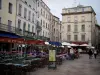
<point>90,54</point>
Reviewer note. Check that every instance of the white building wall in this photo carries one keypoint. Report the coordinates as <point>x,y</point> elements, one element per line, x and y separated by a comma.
<point>29,2</point>
<point>5,15</point>
<point>43,17</point>
<point>89,23</point>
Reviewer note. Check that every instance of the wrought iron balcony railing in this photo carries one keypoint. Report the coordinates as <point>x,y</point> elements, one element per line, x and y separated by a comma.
<point>7,28</point>
<point>38,26</point>
<point>18,31</point>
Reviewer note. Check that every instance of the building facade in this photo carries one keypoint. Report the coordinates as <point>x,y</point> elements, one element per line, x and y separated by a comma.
<point>7,23</point>
<point>30,19</point>
<point>26,18</point>
<point>51,27</point>
<point>97,44</point>
<point>7,15</point>
<point>56,29</point>
<point>43,12</point>
<point>78,25</point>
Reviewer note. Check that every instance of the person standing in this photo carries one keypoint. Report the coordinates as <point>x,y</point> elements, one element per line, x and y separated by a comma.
<point>95,54</point>
<point>90,53</point>
<point>72,53</point>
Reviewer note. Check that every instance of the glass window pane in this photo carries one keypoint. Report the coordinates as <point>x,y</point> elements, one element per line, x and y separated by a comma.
<point>28,27</point>
<point>75,28</point>
<point>20,8</point>
<point>83,37</point>
<point>75,37</point>
<point>83,28</point>
<point>10,8</point>
<point>68,37</point>
<point>19,23</point>
<point>69,28</point>
<point>24,26</point>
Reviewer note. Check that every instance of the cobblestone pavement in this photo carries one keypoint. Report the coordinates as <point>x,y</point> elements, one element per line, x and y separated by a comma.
<point>81,66</point>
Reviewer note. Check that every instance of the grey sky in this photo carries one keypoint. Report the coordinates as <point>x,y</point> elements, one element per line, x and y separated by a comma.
<point>57,5</point>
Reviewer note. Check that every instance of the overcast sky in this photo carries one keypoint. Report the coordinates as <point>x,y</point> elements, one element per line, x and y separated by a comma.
<point>57,5</point>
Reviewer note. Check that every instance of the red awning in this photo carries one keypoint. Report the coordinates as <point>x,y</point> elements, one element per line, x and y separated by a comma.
<point>80,43</point>
<point>37,42</point>
<point>31,41</point>
<point>12,40</point>
<point>40,42</point>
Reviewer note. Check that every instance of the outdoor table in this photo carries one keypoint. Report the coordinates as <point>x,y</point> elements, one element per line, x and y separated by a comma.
<point>59,59</point>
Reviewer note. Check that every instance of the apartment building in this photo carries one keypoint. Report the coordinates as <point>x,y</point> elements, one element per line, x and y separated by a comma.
<point>26,18</point>
<point>51,27</point>
<point>56,29</point>
<point>78,25</point>
<point>44,18</point>
<point>7,24</point>
<point>7,15</point>
<point>97,33</point>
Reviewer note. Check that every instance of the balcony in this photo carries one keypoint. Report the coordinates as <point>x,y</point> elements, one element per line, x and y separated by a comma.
<point>75,32</point>
<point>7,28</point>
<point>42,38</point>
<point>19,31</point>
<point>38,26</point>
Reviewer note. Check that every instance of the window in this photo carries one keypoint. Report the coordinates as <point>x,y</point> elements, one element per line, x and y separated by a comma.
<point>25,2</point>
<point>75,37</point>
<point>33,18</point>
<point>0,4</point>
<point>46,16</point>
<point>38,4</point>
<point>75,19</point>
<point>41,11</point>
<point>83,18</point>
<point>41,22</point>
<point>46,34</point>
<point>28,27</point>
<point>68,37</point>
<point>68,19</point>
<point>75,9</point>
<point>69,28</point>
<point>19,23</point>
<point>9,25</point>
<point>24,26</point>
<point>75,28</point>
<point>25,12</point>
<point>38,14</point>
<point>32,28</point>
<point>43,33</point>
<point>83,37</point>
<point>46,25</point>
<point>54,30</point>
<point>68,11</point>
<point>29,15</point>
<point>20,9</point>
<point>83,28</point>
<point>0,19</point>
<point>44,13</point>
<point>82,9</point>
<point>10,8</point>
<point>29,5</point>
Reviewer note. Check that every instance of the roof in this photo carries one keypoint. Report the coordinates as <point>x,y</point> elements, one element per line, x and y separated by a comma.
<point>80,6</point>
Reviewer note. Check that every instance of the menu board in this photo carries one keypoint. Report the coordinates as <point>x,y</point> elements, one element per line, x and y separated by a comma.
<point>52,55</point>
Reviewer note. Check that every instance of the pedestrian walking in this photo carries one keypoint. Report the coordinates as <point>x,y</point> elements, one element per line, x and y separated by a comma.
<point>95,54</point>
<point>72,53</point>
<point>90,54</point>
